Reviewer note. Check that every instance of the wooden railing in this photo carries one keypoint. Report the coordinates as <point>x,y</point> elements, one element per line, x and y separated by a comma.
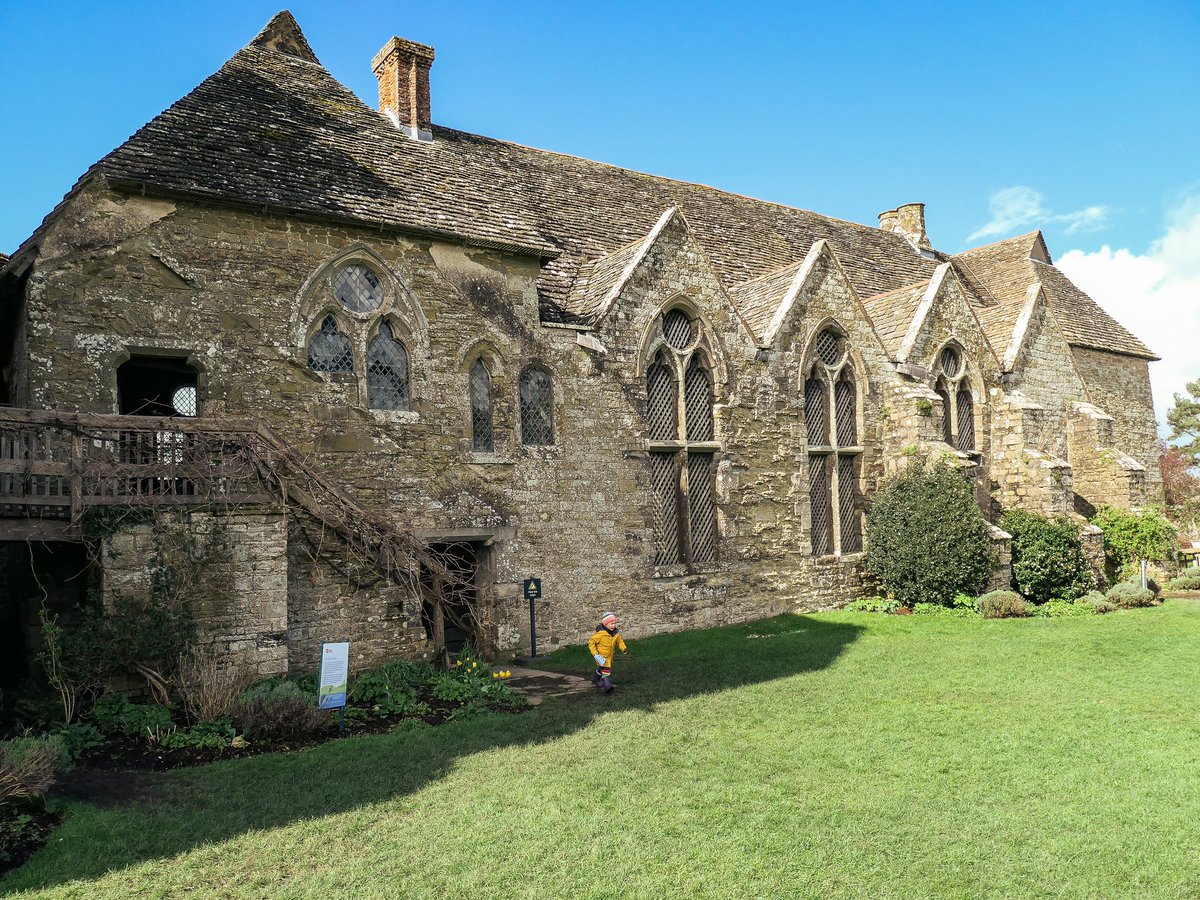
<point>54,466</point>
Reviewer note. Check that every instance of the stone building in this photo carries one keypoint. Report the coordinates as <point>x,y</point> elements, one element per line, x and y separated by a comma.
<point>653,395</point>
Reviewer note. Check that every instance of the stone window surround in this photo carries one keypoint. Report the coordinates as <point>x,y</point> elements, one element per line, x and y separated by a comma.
<point>316,300</point>
<point>953,384</point>
<point>503,433</point>
<point>829,375</point>
<point>655,345</point>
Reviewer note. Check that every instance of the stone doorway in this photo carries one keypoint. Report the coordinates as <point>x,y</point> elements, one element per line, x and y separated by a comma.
<point>456,605</point>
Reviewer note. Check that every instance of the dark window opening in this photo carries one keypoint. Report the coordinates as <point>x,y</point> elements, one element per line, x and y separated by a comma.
<point>156,386</point>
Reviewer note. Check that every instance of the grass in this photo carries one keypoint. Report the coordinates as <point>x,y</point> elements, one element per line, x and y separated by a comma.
<point>838,755</point>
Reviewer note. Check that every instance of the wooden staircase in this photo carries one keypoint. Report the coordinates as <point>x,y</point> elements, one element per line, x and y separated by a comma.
<point>55,466</point>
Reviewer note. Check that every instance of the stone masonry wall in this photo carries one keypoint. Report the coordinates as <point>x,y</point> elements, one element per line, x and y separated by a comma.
<point>238,595</point>
<point>1120,385</point>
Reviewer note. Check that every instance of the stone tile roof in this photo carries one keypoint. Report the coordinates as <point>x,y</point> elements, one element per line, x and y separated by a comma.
<point>758,299</point>
<point>893,312</point>
<point>272,128</point>
<point>1009,267</point>
<point>276,129</point>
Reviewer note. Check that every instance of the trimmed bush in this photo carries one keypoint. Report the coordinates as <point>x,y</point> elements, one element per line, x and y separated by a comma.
<point>926,539</point>
<point>1048,562</point>
<point>1002,605</point>
<point>279,711</point>
<point>1097,602</point>
<point>1184,583</point>
<point>1129,595</point>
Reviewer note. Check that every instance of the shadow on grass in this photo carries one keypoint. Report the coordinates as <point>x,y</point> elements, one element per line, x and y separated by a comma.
<point>221,801</point>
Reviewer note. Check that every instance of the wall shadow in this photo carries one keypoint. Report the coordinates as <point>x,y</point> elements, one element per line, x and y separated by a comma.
<point>223,800</point>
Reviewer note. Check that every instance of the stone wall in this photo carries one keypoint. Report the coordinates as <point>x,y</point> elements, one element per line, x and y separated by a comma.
<point>239,293</point>
<point>231,567</point>
<point>1120,385</point>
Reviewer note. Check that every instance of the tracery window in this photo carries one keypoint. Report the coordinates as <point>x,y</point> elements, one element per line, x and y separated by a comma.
<point>387,371</point>
<point>958,407</point>
<point>834,449</point>
<point>681,439</point>
<point>358,288</point>
<point>329,349</point>
<point>537,407</point>
<point>482,440</point>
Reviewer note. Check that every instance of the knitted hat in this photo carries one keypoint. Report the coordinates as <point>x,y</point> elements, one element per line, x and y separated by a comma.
<point>608,619</point>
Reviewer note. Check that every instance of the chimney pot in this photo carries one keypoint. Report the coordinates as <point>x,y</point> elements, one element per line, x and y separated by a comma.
<point>402,68</point>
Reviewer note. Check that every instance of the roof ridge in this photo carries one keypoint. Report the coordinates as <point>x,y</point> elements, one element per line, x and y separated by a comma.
<point>680,181</point>
<point>284,35</point>
<point>1007,240</point>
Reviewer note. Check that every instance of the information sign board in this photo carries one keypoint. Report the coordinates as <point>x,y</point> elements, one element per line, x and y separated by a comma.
<point>335,665</point>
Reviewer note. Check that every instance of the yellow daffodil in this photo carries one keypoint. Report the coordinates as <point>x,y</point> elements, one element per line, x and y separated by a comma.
<point>459,663</point>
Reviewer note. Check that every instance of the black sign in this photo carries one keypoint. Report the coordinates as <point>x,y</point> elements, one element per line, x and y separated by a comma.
<point>533,589</point>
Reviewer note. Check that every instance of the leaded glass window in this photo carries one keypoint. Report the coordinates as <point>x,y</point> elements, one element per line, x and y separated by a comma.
<point>958,406</point>
<point>537,407</point>
<point>683,447</point>
<point>834,450</point>
<point>481,408</point>
<point>358,288</point>
<point>387,372</point>
<point>329,349</point>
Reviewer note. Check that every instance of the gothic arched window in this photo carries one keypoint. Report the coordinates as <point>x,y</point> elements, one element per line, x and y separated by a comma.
<point>834,453</point>
<point>387,371</point>
<point>329,349</point>
<point>958,407</point>
<point>481,408</point>
<point>537,407</point>
<point>682,443</point>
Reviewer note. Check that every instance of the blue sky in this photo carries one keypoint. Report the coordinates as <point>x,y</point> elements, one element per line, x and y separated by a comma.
<point>1079,118</point>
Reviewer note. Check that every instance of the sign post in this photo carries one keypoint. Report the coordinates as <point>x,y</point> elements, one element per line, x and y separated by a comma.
<point>532,589</point>
<point>333,683</point>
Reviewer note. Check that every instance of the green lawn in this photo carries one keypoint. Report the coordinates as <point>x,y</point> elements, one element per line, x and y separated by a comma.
<point>842,755</point>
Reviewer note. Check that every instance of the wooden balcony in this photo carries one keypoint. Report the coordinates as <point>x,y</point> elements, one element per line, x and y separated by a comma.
<point>54,466</point>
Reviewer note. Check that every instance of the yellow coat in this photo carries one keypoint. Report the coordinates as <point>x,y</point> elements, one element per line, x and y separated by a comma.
<point>605,644</point>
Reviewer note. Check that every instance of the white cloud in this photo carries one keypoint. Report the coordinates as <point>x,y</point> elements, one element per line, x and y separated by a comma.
<point>1156,295</point>
<point>1020,207</point>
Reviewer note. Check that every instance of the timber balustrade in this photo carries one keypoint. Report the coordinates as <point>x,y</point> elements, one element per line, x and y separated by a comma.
<point>55,465</point>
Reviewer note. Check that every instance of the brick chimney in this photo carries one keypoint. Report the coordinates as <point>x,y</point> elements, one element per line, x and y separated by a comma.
<point>402,68</point>
<point>907,221</point>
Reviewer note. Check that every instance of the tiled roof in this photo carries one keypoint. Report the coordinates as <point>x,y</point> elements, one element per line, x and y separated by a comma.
<point>275,129</point>
<point>893,312</point>
<point>1009,267</point>
<point>758,299</point>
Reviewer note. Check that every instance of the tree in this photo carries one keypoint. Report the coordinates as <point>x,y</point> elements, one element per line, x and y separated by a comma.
<point>1180,483</point>
<point>1184,419</point>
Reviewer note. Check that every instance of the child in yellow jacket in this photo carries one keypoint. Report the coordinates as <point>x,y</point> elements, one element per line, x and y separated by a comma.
<point>602,646</point>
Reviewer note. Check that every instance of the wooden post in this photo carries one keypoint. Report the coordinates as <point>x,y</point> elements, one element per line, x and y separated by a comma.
<point>76,477</point>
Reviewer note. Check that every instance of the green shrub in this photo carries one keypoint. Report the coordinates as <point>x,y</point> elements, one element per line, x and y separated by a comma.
<point>1097,602</point>
<point>277,711</point>
<point>212,735</point>
<point>116,714</point>
<point>937,609</point>
<point>451,688</point>
<point>28,766</point>
<point>1048,562</point>
<point>1130,537</point>
<point>391,689</point>
<point>1184,583</point>
<point>78,737</point>
<point>1002,605</point>
<point>874,604</point>
<point>1129,595</point>
<point>926,539</point>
